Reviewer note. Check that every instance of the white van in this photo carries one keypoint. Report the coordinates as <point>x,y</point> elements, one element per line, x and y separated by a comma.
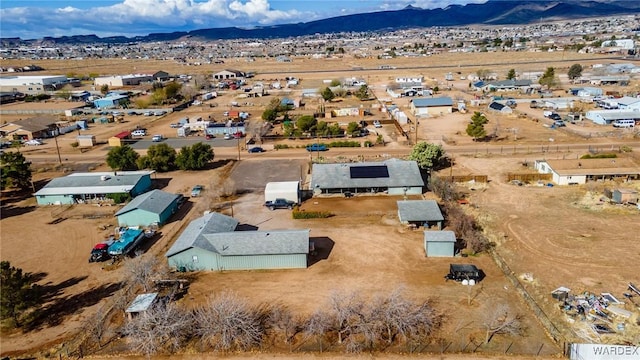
<point>624,123</point>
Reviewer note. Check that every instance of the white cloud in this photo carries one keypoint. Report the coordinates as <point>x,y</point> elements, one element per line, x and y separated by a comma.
<point>139,17</point>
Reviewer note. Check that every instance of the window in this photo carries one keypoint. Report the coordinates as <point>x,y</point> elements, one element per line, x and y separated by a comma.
<point>195,258</point>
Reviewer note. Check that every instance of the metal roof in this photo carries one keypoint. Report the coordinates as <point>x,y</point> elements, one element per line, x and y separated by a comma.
<point>429,102</point>
<point>419,210</point>
<point>142,302</point>
<point>193,234</point>
<point>154,201</point>
<point>616,114</point>
<point>338,176</point>
<point>93,183</point>
<point>272,242</point>
<point>440,236</point>
<point>618,166</point>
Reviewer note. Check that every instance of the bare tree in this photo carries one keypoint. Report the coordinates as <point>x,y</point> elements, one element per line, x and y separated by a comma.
<point>281,318</point>
<point>228,322</point>
<point>317,325</point>
<point>142,270</point>
<point>345,311</point>
<point>161,328</point>
<point>501,320</point>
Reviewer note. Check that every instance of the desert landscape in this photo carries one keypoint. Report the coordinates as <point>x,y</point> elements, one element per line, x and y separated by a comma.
<point>543,237</point>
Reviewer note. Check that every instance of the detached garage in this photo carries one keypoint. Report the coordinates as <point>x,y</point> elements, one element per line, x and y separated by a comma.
<point>439,243</point>
<point>153,207</point>
<point>289,190</point>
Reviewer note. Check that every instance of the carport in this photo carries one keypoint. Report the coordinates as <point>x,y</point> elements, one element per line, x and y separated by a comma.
<point>420,213</point>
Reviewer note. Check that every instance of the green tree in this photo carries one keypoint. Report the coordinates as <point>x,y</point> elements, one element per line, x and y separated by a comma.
<point>322,128</point>
<point>511,74</point>
<point>427,155</point>
<point>352,127</point>
<point>327,94</point>
<point>575,71</point>
<point>15,171</point>
<point>122,158</point>
<point>335,82</point>
<point>17,292</point>
<point>335,129</point>
<point>172,90</point>
<point>362,92</point>
<point>306,123</point>
<point>548,79</point>
<point>476,128</point>
<point>269,115</point>
<point>194,157</point>
<point>160,157</point>
<point>104,89</point>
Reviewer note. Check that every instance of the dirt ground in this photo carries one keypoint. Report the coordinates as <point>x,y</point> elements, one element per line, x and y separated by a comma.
<point>547,232</point>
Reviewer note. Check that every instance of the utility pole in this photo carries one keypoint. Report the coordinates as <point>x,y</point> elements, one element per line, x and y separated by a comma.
<point>55,138</point>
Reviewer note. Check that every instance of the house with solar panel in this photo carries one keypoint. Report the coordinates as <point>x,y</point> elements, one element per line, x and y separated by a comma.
<point>393,177</point>
<point>211,243</point>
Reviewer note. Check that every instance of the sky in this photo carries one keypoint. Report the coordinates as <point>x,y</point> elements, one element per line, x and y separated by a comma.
<point>33,19</point>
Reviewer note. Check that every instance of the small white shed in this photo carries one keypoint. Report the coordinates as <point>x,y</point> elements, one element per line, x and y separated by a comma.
<point>289,190</point>
<point>86,140</point>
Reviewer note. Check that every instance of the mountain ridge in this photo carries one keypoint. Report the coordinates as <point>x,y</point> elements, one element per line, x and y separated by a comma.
<point>493,12</point>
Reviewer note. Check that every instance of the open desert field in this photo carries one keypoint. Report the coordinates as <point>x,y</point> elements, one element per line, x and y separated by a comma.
<point>557,236</point>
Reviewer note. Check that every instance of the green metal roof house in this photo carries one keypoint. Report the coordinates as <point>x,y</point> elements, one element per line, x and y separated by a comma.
<point>153,207</point>
<point>439,243</point>
<point>85,187</point>
<point>209,243</point>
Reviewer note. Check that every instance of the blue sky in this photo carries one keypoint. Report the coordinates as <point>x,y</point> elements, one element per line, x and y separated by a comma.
<point>32,19</point>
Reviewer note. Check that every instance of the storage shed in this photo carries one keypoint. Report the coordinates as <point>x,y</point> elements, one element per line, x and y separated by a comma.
<point>86,140</point>
<point>117,140</point>
<point>431,106</point>
<point>140,304</point>
<point>624,196</point>
<point>439,243</point>
<point>420,212</point>
<point>289,190</point>
<point>153,207</point>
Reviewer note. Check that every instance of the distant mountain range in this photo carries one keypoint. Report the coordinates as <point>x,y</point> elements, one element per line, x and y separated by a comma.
<point>493,12</point>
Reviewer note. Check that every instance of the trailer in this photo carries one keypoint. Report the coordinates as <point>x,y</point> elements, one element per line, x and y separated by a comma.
<point>128,241</point>
<point>461,272</point>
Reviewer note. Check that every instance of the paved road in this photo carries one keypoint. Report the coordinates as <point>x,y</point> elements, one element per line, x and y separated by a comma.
<point>231,151</point>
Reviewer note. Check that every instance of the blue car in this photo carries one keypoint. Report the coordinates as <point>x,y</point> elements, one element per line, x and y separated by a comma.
<point>317,147</point>
<point>256,149</point>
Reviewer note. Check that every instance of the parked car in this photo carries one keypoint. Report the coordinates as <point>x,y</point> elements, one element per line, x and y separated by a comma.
<point>317,147</point>
<point>196,190</point>
<point>148,113</point>
<point>555,116</point>
<point>256,149</point>
<point>157,138</point>
<point>159,113</point>
<point>33,142</point>
<point>559,123</point>
<point>377,124</point>
<point>139,132</point>
<point>228,136</point>
<point>279,204</point>
<point>131,112</point>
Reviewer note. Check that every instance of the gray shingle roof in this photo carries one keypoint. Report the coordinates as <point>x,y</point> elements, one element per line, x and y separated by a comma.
<point>154,201</point>
<point>419,210</point>
<point>338,176</point>
<point>440,236</point>
<point>193,234</point>
<point>270,242</point>
<point>93,183</point>
<point>428,102</point>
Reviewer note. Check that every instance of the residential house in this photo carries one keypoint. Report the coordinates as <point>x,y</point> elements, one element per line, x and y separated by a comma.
<point>580,171</point>
<point>228,74</point>
<point>500,108</point>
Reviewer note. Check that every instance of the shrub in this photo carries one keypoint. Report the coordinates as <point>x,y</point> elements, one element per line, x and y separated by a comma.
<point>599,156</point>
<point>301,214</point>
<point>626,148</point>
<point>368,143</point>
<point>74,144</point>
<point>281,146</point>
<point>119,198</point>
<point>344,144</point>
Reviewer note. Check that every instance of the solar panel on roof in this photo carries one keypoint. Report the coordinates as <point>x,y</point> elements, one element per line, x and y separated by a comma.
<point>369,172</point>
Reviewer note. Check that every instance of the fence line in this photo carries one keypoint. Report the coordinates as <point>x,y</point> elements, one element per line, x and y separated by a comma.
<point>542,317</point>
<point>529,177</point>
<point>465,178</point>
